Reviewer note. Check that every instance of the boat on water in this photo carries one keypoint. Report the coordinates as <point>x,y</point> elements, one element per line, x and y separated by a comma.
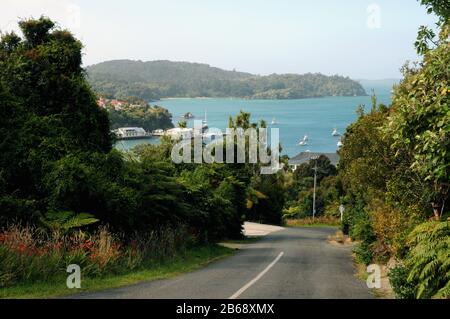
<point>335,132</point>
<point>340,144</point>
<point>304,141</point>
<point>205,124</point>
<point>274,121</point>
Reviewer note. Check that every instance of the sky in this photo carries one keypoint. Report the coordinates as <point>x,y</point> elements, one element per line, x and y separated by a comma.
<point>356,38</point>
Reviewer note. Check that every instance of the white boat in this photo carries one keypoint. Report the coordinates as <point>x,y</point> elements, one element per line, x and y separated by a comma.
<point>335,132</point>
<point>340,144</point>
<point>274,121</point>
<point>303,143</point>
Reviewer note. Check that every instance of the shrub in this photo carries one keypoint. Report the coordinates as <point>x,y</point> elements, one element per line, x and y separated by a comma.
<point>398,277</point>
<point>361,228</point>
<point>363,253</point>
<point>291,212</point>
<point>389,226</point>
<point>319,220</point>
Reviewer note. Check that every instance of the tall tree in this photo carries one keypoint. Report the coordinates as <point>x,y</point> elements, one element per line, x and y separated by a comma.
<point>420,121</point>
<point>51,112</point>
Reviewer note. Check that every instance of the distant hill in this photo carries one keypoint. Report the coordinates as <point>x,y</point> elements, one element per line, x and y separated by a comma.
<point>161,79</point>
<point>389,83</point>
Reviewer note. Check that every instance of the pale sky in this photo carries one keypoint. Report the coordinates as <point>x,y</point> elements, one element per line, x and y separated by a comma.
<point>357,38</point>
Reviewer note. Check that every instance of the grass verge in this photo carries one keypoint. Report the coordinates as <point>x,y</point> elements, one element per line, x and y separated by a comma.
<point>246,240</point>
<point>321,221</point>
<point>193,259</point>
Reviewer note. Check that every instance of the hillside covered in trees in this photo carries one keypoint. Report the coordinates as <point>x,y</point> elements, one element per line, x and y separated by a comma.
<point>161,79</point>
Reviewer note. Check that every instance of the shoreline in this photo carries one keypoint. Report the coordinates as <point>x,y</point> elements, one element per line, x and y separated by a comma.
<point>251,99</point>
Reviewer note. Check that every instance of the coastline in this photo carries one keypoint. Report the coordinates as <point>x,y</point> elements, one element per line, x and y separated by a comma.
<point>253,99</point>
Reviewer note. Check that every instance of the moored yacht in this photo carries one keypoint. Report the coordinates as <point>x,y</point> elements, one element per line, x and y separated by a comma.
<point>304,141</point>
<point>205,124</point>
<point>335,132</point>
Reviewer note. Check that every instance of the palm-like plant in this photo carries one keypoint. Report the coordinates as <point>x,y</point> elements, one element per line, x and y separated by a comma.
<point>66,221</point>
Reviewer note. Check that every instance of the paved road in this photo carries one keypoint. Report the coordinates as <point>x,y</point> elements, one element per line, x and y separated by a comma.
<point>291,263</point>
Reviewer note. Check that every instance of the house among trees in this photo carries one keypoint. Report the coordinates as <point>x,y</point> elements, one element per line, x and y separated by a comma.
<point>306,157</point>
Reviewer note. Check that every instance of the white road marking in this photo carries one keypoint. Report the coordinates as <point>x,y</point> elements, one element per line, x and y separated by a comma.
<point>251,282</point>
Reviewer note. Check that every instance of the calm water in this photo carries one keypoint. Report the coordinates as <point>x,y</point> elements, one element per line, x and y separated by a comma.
<point>295,118</point>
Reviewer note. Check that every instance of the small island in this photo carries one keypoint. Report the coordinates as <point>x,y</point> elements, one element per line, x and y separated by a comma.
<point>188,116</point>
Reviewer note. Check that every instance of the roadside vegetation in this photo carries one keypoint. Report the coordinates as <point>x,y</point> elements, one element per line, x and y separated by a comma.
<point>393,176</point>
<point>38,270</point>
<point>320,221</point>
<point>395,173</point>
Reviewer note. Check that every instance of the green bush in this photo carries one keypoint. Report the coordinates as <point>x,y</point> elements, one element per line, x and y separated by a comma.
<point>398,277</point>
<point>363,253</point>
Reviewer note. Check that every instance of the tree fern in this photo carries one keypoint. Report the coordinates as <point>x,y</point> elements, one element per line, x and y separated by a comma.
<point>428,260</point>
<point>66,221</point>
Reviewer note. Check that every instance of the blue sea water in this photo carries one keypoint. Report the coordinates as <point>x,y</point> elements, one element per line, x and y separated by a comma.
<point>315,117</point>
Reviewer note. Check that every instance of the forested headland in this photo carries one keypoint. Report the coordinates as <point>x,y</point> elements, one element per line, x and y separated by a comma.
<point>142,114</point>
<point>154,80</point>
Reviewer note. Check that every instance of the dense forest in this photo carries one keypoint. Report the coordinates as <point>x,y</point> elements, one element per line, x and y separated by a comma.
<point>161,79</point>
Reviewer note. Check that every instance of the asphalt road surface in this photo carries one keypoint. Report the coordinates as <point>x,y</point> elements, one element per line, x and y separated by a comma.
<point>293,263</point>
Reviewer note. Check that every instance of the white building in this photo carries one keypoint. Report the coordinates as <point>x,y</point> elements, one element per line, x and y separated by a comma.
<point>130,132</point>
<point>177,132</point>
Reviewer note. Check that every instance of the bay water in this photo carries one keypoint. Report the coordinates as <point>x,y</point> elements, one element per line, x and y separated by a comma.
<point>315,117</point>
